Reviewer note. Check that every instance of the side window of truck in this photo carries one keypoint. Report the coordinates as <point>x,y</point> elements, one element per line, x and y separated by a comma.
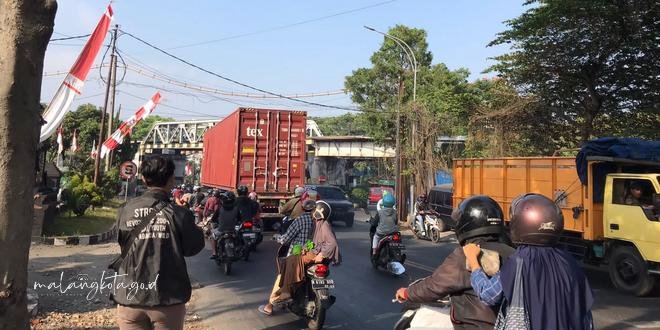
<point>635,193</point>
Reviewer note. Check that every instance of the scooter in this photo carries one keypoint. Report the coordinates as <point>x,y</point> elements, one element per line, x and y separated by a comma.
<point>231,247</point>
<point>433,226</point>
<point>252,233</point>
<point>310,298</point>
<point>425,316</point>
<point>389,253</point>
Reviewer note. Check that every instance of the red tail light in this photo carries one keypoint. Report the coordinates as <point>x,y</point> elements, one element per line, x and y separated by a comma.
<point>247,224</point>
<point>396,238</point>
<point>321,270</point>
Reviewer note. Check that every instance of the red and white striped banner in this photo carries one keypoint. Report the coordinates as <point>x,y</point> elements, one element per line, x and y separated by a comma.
<point>75,80</point>
<point>126,127</point>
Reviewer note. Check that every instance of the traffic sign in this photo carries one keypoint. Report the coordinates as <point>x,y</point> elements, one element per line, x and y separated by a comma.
<point>127,170</point>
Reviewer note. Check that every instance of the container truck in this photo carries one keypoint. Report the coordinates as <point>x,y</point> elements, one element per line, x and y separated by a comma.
<point>263,149</point>
<point>603,223</point>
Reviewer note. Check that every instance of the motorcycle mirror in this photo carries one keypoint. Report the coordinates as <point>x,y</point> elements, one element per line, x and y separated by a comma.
<point>395,268</point>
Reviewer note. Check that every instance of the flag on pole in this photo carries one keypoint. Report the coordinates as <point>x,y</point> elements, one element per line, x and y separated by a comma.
<point>74,143</point>
<point>75,80</point>
<point>126,127</point>
<point>92,154</point>
<point>60,142</point>
<point>189,170</point>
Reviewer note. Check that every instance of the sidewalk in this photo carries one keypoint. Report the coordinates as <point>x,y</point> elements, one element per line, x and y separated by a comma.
<point>73,308</point>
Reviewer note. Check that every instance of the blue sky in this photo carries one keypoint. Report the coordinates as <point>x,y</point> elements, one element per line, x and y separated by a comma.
<point>308,58</point>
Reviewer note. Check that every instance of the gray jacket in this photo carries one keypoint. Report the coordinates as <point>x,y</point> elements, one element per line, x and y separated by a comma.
<point>386,220</point>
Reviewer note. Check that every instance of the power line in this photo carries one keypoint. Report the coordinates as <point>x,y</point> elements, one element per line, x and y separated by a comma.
<point>70,38</point>
<point>280,27</point>
<point>164,78</point>
<point>237,82</point>
<point>165,104</point>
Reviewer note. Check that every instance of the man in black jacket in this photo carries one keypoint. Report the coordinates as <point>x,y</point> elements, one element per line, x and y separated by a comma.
<point>153,286</point>
<point>479,220</point>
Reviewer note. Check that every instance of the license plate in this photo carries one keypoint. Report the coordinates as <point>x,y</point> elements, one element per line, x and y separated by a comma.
<point>250,235</point>
<point>323,284</point>
<point>397,246</point>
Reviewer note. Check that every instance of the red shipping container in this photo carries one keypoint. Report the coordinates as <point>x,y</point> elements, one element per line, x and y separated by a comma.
<point>263,149</point>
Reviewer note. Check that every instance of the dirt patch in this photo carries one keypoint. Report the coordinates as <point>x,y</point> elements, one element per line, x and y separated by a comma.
<point>77,308</point>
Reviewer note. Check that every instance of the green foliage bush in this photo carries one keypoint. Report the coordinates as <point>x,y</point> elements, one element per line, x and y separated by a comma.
<point>81,193</point>
<point>359,196</point>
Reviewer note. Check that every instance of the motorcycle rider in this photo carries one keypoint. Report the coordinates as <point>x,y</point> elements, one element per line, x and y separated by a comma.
<point>300,231</point>
<point>225,219</point>
<point>479,220</point>
<point>384,223</point>
<point>421,208</point>
<point>246,206</point>
<point>212,203</point>
<point>293,207</point>
<point>556,293</point>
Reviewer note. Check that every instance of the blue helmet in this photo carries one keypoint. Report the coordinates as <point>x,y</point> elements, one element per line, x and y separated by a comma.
<point>388,200</point>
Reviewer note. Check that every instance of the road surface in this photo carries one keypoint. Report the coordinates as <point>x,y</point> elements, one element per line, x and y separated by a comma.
<point>363,294</point>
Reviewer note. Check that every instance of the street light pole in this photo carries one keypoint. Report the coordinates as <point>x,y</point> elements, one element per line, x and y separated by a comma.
<point>409,53</point>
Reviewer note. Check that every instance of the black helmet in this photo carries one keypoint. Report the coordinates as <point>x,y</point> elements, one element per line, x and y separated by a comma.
<point>228,198</point>
<point>217,193</point>
<point>309,205</point>
<point>322,210</point>
<point>535,220</point>
<point>242,190</point>
<point>478,216</point>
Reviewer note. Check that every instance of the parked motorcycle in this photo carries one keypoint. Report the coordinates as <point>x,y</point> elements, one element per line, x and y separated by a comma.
<point>433,226</point>
<point>231,247</point>
<point>311,298</point>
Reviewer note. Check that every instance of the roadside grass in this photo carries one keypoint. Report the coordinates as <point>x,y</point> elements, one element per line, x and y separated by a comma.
<point>93,222</point>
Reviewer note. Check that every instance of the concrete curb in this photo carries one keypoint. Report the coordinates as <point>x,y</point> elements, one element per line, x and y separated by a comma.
<point>33,302</point>
<point>80,240</point>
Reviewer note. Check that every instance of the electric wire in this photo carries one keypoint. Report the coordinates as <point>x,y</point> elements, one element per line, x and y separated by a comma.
<point>275,28</point>
<point>237,82</point>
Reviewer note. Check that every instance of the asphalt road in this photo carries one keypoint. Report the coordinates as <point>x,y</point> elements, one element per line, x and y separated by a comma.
<point>363,294</point>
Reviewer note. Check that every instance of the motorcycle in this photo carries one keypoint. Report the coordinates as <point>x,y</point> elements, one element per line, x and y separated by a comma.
<point>425,316</point>
<point>310,298</point>
<point>252,234</point>
<point>231,247</point>
<point>433,226</point>
<point>389,253</point>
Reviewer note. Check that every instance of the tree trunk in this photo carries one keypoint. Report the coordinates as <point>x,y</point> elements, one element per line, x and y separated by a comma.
<point>25,28</point>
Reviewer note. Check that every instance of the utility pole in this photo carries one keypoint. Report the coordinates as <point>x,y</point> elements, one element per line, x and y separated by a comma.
<point>398,183</point>
<point>113,65</point>
<point>97,160</point>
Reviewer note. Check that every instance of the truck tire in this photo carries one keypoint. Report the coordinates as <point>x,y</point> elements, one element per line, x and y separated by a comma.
<point>629,272</point>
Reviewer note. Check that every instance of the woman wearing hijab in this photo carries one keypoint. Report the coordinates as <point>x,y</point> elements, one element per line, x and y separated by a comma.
<point>325,250</point>
<point>552,289</point>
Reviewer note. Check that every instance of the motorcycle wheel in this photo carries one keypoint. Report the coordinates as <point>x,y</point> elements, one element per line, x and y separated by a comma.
<point>435,235</point>
<point>247,254</point>
<point>316,323</point>
<point>227,268</point>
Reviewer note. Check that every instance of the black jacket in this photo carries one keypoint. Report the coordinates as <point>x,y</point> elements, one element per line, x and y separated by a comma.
<point>452,279</point>
<point>247,207</point>
<point>157,257</point>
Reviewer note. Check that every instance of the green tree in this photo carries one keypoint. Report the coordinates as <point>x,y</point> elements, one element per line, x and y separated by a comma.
<point>347,124</point>
<point>592,63</point>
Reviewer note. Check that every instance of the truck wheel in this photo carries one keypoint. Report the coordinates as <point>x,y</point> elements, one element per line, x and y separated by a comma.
<point>629,272</point>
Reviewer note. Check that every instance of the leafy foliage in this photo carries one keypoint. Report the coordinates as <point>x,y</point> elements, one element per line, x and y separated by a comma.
<point>591,64</point>
<point>347,124</point>
<point>359,196</point>
<point>80,193</point>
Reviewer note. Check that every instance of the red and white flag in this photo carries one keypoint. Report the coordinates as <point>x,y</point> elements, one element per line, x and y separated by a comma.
<point>92,153</point>
<point>74,143</point>
<point>60,141</point>
<point>126,127</point>
<point>75,80</point>
<point>189,169</point>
